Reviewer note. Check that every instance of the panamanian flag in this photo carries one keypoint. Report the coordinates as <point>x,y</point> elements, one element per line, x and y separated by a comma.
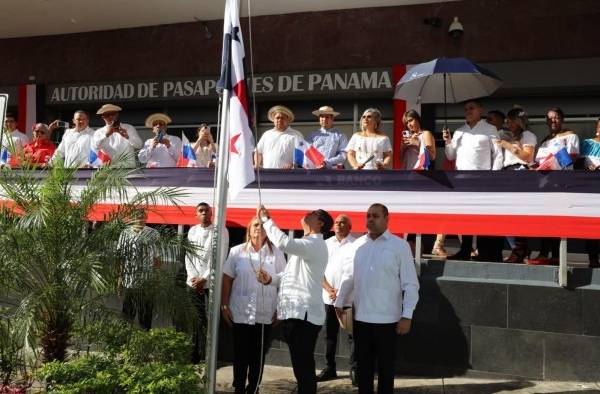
<point>98,158</point>
<point>556,160</point>
<point>423,160</point>
<point>188,156</point>
<point>240,171</point>
<point>307,156</point>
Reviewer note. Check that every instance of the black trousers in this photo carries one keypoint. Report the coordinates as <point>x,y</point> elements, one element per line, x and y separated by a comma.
<point>301,337</point>
<point>549,246</point>
<point>247,361</point>
<point>137,302</point>
<point>375,343</point>
<point>490,248</point>
<point>332,329</point>
<point>592,247</point>
<point>200,302</point>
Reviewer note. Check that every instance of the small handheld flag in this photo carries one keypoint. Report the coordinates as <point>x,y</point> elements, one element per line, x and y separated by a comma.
<point>188,156</point>
<point>307,156</point>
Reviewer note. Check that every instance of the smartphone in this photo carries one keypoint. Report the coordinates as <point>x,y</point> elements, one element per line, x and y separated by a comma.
<point>406,133</point>
<point>160,136</point>
<point>116,124</point>
<point>64,124</point>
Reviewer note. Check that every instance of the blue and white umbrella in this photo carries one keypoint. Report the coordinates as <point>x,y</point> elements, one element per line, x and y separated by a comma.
<point>446,80</point>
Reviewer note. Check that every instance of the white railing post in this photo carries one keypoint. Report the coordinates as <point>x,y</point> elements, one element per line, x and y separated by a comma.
<point>418,254</point>
<point>562,264</point>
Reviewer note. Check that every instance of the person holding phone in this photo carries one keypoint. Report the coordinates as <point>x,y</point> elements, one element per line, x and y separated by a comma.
<point>118,141</point>
<point>413,139</point>
<point>74,147</point>
<point>205,147</point>
<point>163,150</point>
<point>370,149</point>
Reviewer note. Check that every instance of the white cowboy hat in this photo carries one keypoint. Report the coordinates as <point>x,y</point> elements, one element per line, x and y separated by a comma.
<point>325,110</point>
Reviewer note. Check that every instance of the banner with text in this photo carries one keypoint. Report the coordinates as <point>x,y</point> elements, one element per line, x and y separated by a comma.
<point>307,83</point>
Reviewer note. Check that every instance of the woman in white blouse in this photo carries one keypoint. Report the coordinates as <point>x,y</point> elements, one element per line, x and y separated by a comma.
<point>249,306</point>
<point>370,149</point>
<point>204,147</point>
<point>518,144</point>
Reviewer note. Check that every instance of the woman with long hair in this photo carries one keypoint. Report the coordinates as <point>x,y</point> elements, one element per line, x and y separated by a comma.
<point>249,304</point>
<point>370,148</point>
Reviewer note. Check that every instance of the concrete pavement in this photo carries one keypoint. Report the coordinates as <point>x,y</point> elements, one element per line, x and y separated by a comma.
<point>280,380</point>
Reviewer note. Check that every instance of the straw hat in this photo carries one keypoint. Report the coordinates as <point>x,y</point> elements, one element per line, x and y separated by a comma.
<point>280,109</point>
<point>325,110</point>
<point>108,108</point>
<point>157,116</point>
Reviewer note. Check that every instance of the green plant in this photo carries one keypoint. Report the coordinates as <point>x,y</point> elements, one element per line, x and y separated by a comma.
<point>11,350</point>
<point>158,345</point>
<point>88,374</point>
<point>155,361</point>
<point>58,267</point>
<point>108,334</point>
<point>159,378</point>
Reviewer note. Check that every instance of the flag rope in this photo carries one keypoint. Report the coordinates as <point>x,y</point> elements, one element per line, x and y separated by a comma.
<point>253,125</point>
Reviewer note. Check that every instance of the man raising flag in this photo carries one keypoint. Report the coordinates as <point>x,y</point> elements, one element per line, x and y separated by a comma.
<point>239,134</point>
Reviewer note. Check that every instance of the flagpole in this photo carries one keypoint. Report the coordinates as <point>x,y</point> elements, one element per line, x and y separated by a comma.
<point>218,250</point>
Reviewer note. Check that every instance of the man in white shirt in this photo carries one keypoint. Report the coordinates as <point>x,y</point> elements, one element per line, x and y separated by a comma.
<point>334,272</point>
<point>137,249</point>
<point>197,267</point>
<point>275,149</point>
<point>74,148</point>
<point>163,150</point>
<point>474,147</point>
<point>117,140</point>
<point>300,306</point>
<point>13,140</point>
<point>383,271</point>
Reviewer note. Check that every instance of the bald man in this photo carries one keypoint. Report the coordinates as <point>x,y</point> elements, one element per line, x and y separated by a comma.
<point>334,271</point>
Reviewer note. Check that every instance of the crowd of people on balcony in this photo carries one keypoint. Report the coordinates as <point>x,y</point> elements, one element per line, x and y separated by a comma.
<point>493,142</point>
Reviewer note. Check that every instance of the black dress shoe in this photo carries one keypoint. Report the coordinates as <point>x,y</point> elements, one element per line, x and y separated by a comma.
<point>326,374</point>
<point>353,377</point>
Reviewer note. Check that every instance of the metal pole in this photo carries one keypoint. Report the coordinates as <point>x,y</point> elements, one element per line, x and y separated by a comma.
<point>445,105</point>
<point>562,265</point>
<point>418,254</point>
<point>355,122</point>
<point>218,250</point>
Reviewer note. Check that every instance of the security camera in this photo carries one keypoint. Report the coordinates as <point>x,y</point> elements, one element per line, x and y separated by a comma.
<point>456,28</point>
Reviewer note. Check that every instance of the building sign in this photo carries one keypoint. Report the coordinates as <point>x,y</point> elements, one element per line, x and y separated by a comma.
<point>307,83</point>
